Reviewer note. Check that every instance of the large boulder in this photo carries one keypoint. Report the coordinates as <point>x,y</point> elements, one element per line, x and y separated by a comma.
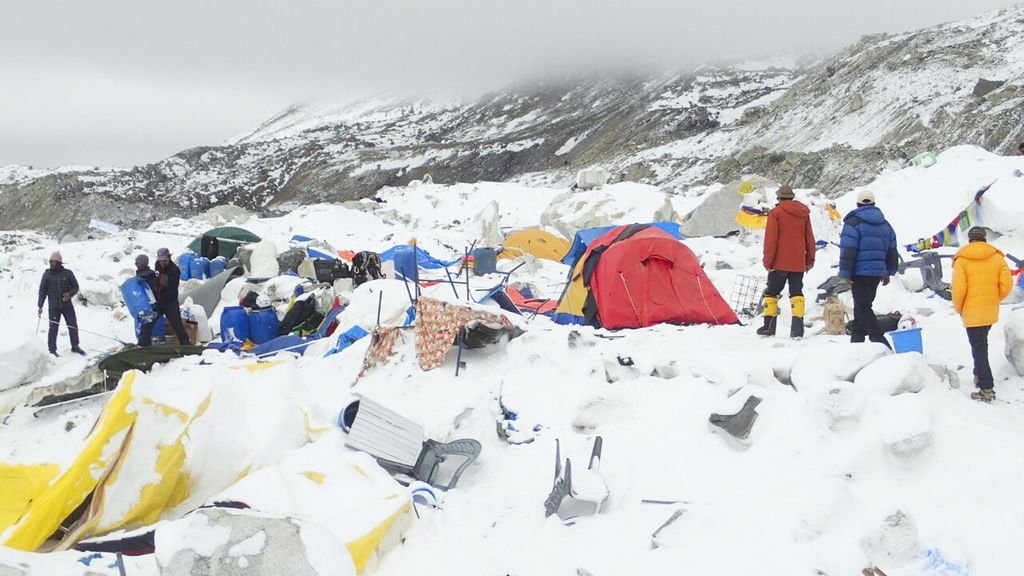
<point>1014,330</point>
<point>896,374</point>
<point>217,542</point>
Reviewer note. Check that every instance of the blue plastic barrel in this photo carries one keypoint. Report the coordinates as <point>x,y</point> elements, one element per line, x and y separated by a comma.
<point>217,265</point>
<point>185,264</point>
<point>234,324</point>
<point>195,269</point>
<point>263,326</point>
<point>137,296</point>
<point>485,261</point>
<point>159,331</point>
<point>206,267</point>
<point>907,341</point>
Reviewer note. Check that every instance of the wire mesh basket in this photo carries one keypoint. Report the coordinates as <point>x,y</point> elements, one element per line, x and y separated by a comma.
<point>747,294</point>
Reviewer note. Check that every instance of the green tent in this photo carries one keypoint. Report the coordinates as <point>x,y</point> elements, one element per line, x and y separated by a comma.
<point>138,358</point>
<point>229,238</point>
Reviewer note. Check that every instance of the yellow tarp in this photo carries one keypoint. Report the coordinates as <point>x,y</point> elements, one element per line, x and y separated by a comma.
<point>749,220</point>
<point>68,491</point>
<point>536,242</point>
<point>20,484</point>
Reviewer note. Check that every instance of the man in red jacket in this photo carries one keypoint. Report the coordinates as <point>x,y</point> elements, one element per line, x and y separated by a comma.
<point>788,253</point>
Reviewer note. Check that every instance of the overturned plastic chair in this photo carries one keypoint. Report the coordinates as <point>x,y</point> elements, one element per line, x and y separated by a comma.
<point>582,499</point>
<point>397,444</point>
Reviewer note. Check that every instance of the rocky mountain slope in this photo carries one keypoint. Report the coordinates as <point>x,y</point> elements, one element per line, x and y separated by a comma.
<point>831,126</point>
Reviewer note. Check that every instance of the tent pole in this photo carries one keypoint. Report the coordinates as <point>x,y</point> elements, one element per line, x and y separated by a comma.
<point>380,302</point>
<point>458,355</point>
<point>452,283</point>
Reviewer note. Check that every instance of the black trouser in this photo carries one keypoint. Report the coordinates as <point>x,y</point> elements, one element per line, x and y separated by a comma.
<point>865,323</point>
<point>68,311</point>
<point>777,280</point>
<point>978,337</point>
<point>171,311</point>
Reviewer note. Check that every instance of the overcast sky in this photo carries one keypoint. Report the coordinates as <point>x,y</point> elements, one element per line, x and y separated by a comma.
<point>124,82</point>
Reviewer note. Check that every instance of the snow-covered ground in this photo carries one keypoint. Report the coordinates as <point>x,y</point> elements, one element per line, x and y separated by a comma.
<point>891,466</point>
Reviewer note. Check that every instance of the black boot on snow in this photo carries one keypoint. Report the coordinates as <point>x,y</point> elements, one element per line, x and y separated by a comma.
<point>769,326</point>
<point>796,330</point>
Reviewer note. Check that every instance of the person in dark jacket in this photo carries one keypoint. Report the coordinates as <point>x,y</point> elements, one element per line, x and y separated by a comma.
<point>788,253</point>
<point>143,271</point>
<point>867,258</point>
<point>167,278</point>
<point>58,286</point>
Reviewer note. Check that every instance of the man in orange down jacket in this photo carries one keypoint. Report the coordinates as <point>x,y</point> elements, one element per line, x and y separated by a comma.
<point>788,253</point>
<point>981,279</point>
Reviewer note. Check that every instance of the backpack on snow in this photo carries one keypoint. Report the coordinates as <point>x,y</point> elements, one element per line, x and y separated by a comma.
<point>365,267</point>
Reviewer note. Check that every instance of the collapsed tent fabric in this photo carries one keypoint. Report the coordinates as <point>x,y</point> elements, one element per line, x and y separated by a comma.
<point>585,237</point>
<point>536,242</point>
<point>639,275</point>
<point>135,467</point>
<point>208,294</point>
<point>229,238</point>
<point>143,359</point>
<point>422,257</point>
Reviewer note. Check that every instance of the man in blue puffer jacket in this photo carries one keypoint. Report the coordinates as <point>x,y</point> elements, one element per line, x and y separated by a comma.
<point>867,257</point>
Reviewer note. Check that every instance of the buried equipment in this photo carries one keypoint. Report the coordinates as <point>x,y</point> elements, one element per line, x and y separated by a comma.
<point>397,444</point>
<point>570,501</point>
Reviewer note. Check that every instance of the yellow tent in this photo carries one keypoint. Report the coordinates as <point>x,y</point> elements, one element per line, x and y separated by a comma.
<point>536,242</point>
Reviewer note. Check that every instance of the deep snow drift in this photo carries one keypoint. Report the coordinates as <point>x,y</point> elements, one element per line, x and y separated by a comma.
<point>857,457</point>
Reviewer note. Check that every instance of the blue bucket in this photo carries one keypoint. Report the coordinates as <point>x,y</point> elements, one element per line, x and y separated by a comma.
<point>234,324</point>
<point>907,341</point>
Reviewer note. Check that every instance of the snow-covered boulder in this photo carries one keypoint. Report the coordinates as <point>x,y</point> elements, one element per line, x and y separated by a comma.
<point>896,374</point>
<point>904,423</point>
<point>220,542</point>
<point>621,203</point>
<point>825,365</point>
<point>1014,330</point>
<point>841,402</point>
<point>21,361</point>
<point>894,543</point>
<point>100,293</point>
<point>263,261</point>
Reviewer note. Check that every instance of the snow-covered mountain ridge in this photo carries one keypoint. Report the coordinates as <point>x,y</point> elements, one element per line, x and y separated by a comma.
<point>831,126</point>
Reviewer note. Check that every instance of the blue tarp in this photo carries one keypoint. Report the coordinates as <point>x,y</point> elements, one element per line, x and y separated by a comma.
<point>423,258</point>
<point>311,251</point>
<point>296,344</point>
<point>347,338</point>
<point>584,237</point>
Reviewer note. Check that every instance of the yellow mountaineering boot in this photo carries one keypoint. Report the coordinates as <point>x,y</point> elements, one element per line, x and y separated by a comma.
<point>797,328</point>
<point>771,315</point>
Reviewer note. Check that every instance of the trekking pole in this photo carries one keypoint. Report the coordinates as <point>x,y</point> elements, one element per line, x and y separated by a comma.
<point>39,320</point>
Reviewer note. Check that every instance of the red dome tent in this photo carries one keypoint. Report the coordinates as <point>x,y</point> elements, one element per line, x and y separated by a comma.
<point>640,275</point>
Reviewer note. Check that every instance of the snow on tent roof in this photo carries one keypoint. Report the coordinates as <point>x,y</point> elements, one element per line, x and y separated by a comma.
<point>584,237</point>
<point>920,202</point>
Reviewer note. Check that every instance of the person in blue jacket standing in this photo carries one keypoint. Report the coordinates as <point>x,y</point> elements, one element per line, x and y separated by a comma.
<point>867,258</point>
